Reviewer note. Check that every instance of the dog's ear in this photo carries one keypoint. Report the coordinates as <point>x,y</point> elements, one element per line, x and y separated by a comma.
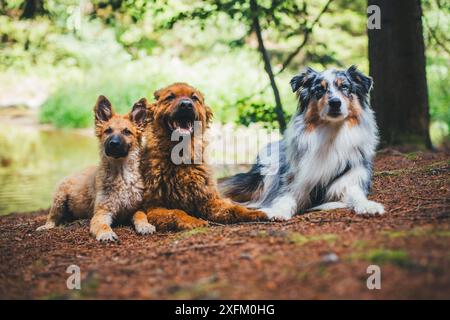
<point>139,113</point>
<point>363,82</point>
<point>157,94</point>
<point>303,79</point>
<point>103,109</point>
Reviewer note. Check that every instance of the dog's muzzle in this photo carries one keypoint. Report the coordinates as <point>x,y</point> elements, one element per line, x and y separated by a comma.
<point>183,118</point>
<point>335,107</point>
<point>116,147</point>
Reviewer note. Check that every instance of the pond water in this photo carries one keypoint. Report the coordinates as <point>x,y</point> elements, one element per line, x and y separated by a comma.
<point>33,160</point>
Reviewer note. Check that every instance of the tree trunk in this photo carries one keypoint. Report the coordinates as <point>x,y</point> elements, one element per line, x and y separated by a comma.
<point>397,65</point>
<point>267,66</point>
<point>32,8</point>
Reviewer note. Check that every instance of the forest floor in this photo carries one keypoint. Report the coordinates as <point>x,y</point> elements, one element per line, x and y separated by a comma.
<point>315,255</point>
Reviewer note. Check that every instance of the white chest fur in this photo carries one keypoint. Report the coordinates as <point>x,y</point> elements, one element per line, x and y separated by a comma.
<point>317,157</point>
<point>122,188</point>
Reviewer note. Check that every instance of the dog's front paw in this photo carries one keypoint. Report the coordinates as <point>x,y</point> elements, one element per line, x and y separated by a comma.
<point>238,213</point>
<point>192,224</point>
<point>369,207</point>
<point>258,215</point>
<point>106,236</point>
<point>46,226</point>
<point>277,215</point>
<point>144,228</point>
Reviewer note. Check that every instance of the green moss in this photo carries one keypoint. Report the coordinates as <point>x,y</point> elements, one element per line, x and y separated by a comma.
<point>89,287</point>
<point>412,156</point>
<point>207,288</point>
<point>300,239</point>
<point>417,232</point>
<point>193,232</point>
<point>359,244</point>
<point>262,234</point>
<point>55,296</point>
<point>382,256</point>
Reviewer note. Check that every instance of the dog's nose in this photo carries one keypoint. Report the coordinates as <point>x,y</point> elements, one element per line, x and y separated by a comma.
<point>114,142</point>
<point>335,104</point>
<point>186,104</point>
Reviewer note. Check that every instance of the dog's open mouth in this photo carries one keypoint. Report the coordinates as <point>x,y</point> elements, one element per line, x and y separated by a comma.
<point>183,126</point>
<point>335,114</point>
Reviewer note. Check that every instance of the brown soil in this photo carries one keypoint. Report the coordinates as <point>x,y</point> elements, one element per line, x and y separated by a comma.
<point>316,255</point>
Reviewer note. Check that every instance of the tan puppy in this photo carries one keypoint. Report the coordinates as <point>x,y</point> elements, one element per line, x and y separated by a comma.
<point>113,190</point>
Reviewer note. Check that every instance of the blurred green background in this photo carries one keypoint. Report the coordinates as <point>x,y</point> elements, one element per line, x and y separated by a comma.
<point>56,57</point>
<point>76,50</point>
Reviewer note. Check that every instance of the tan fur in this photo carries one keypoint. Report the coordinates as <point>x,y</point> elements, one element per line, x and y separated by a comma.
<point>113,190</point>
<point>312,115</point>
<point>355,110</point>
<point>175,194</point>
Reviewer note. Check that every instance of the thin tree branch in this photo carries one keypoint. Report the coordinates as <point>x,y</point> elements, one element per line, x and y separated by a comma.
<point>267,66</point>
<point>432,33</point>
<point>289,59</point>
<point>306,34</point>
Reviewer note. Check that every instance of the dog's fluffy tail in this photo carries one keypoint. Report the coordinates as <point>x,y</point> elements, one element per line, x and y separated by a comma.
<point>243,187</point>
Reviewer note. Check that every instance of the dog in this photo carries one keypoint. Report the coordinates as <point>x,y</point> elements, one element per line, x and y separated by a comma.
<point>113,190</point>
<point>324,162</point>
<point>182,195</point>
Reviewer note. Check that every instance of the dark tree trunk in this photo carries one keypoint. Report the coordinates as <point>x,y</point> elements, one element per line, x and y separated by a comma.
<point>268,67</point>
<point>397,65</point>
<point>32,8</point>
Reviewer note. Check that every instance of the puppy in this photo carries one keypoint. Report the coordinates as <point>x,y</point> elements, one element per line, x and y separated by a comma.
<point>113,190</point>
<point>180,189</point>
<point>325,160</point>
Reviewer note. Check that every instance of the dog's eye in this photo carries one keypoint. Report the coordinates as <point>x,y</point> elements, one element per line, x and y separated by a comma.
<point>170,97</point>
<point>320,91</point>
<point>108,131</point>
<point>126,132</point>
<point>195,98</point>
<point>345,88</point>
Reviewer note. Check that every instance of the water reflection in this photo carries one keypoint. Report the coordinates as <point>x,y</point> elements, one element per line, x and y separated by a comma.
<point>33,161</point>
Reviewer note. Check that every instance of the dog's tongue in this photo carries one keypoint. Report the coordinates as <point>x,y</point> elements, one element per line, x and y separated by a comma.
<point>183,131</point>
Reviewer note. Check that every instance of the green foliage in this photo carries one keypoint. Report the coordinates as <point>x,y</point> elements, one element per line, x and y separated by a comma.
<point>257,112</point>
<point>127,49</point>
<point>438,76</point>
<point>72,104</point>
<point>436,24</point>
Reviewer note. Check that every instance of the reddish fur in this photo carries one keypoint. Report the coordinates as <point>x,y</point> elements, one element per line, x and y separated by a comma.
<point>355,110</point>
<point>174,193</point>
<point>312,115</point>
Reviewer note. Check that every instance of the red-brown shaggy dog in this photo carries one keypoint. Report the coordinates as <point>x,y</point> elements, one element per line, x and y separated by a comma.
<point>177,195</point>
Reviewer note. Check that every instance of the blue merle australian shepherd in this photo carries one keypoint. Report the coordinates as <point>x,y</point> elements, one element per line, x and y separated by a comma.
<point>325,160</point>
